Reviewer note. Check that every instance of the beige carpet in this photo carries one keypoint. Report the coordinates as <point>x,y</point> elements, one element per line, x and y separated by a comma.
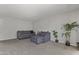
<point>26,47</point>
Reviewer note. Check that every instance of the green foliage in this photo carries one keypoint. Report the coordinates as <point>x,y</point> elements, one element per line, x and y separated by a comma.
<point>55,34</point>
<point>67,34</point>
<point>68,28</point>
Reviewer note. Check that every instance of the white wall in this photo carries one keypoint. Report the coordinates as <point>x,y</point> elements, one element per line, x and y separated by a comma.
<point>56,22</point>
<point>9,27</point>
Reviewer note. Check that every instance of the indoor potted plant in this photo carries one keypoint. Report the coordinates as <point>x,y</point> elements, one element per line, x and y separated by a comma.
<point>67,36</point>
<point>55,33</point>
<point>68,28</point>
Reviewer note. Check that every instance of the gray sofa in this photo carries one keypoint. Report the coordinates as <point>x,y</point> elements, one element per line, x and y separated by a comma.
<point>41,37</point>
<point>24,34</point>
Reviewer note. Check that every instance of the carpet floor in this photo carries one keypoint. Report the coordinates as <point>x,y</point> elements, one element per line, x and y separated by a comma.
<point>26,47</point>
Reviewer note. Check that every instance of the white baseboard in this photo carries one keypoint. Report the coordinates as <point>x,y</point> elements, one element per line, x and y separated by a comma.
<point>7,39</point>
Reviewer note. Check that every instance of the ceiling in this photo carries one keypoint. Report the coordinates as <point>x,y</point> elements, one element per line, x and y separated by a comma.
<point>34,11</point>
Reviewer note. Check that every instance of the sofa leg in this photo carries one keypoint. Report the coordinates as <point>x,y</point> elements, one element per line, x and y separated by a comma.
<point>37,43</point>
<point>19,39</point>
